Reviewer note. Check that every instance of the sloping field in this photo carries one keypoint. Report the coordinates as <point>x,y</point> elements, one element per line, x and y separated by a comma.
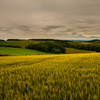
<point>15,43</point>
<point>9,51</point>
<point>50,77</point>
<point>74,51</point>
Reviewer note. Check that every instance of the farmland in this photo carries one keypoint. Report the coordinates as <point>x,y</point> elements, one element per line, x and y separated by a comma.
<point>16,48</point>
<point>75,51</point>
<point>50,77</point>
<point>9,51</point>
<point>16,43</point>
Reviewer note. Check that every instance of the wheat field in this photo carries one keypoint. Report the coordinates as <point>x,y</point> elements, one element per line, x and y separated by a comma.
<point>50,77</point>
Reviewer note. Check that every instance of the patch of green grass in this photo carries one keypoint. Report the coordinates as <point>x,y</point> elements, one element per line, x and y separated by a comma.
<point>21,44</point>
<point>16,43</point>
<point>72,51</point>
<point>19,51</point>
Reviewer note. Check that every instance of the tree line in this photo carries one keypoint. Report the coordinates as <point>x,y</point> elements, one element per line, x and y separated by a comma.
<point>14,46</point>
<point>48,47</point>
<point>91,47</point>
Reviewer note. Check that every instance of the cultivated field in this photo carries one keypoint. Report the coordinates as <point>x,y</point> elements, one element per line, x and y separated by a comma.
<point>75,51</point>
<point>50,77</point>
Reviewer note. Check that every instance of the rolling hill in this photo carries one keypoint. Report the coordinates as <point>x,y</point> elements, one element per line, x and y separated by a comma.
<point>9,51</point>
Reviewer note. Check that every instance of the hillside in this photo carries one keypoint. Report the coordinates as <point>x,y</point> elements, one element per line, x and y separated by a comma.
<point>9,51</point>
<point>71,47</point>
<point>50,77</point>
<point>75,51</point>
<point>21,44</point>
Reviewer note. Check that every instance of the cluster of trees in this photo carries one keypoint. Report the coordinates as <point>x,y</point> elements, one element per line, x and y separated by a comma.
<point>91,47</point>
<point>48,47</point>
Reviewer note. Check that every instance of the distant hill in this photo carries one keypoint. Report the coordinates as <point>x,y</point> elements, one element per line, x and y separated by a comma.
<point>95,40</point>
<point>15,39</point>
<point>2,40</point>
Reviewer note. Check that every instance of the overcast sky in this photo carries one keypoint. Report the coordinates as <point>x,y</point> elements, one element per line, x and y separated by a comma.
<point>57,19</point>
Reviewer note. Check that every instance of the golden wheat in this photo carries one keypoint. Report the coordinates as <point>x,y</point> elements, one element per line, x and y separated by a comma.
<point>50,77</point>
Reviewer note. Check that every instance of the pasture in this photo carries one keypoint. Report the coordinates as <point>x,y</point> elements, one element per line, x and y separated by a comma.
<point>9,51</point>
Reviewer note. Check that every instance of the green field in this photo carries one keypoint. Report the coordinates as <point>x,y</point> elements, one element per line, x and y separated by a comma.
<point>24,43</point>
<point>9,51</point>
<point>74,51</point>
<point>21,44</point>
<point>16,43</point>
<point>50,77</point>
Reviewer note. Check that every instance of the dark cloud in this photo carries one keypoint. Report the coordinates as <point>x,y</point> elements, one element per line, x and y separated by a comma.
<point>49,28</point>
<point>24,27</point>
<point>74,33</point>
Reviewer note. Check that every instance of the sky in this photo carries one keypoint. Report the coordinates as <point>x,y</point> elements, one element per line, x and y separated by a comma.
<point>53,19</point>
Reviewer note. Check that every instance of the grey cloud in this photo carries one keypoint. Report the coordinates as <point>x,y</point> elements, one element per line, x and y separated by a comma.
<point>24,28</point>
<point>93,21</point>
<point>74,33</point>
<point>94,37</point>
<point>67,30</point>
<point>6,29</point>
<point>70,30</point>
<point>49,18</point>
<point>49,28</point>
<point>84,27</point>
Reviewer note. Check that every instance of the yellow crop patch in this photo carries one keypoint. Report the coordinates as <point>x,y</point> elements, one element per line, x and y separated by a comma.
<point>50,77</point>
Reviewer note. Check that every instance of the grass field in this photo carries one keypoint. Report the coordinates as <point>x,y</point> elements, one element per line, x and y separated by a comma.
<point>21,44</point>
<point>9,51</point>
<point>50,77</point>
<point>16,43</point>
<point>73,51</point>
<point>19,51</point>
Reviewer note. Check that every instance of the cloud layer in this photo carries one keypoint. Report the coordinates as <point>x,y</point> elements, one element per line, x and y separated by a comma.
<point>60,19</point>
